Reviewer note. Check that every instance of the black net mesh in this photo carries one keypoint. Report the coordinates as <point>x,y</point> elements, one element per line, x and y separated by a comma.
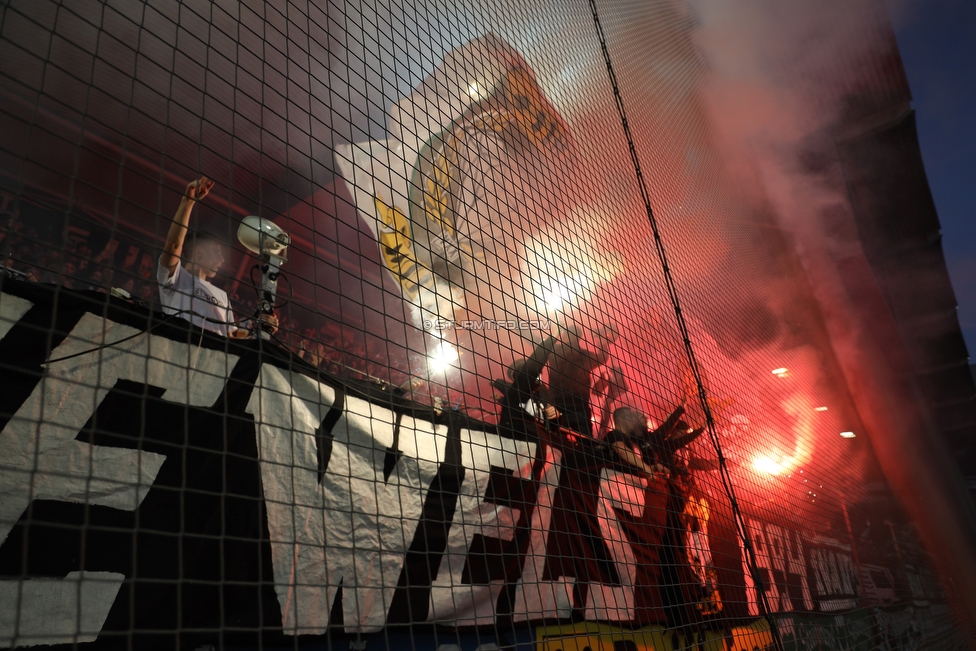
<point>467,325</point>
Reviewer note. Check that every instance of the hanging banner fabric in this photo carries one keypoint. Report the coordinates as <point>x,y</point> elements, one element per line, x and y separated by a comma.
<point>309,506</point>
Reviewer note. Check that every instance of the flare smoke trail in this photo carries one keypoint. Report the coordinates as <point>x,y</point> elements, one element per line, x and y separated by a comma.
<point>779,98</point>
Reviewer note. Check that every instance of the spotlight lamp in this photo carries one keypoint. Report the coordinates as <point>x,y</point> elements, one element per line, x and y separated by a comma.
<point>263,237</point>
<point>270,243</point>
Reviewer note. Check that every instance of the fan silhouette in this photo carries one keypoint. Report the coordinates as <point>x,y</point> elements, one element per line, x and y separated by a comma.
<point>672,435</point>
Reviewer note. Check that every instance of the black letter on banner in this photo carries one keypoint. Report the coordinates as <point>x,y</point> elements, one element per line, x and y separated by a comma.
<point>27,346</point>
<point>490,559</point>
<point>323,435</point>
<point>393,452</point>
<point>411,602</point>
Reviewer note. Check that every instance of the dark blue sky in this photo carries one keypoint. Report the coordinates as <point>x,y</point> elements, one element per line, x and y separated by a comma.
<point>937,39</point>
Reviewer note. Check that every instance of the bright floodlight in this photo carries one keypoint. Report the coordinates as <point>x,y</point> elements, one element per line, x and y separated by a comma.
<point>263,236</point>
<point>442,358</point>
<point>847,435</point>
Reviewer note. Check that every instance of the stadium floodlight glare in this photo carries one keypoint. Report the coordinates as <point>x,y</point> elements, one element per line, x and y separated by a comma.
<point>266,239</point>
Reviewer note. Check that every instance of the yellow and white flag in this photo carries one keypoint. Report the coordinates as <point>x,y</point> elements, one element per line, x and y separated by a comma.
<point>433,193</point>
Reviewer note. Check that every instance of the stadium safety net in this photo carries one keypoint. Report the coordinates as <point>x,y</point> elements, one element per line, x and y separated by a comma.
<point>470,325</point>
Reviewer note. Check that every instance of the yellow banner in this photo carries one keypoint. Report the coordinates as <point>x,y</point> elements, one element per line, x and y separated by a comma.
<point>590,636</point>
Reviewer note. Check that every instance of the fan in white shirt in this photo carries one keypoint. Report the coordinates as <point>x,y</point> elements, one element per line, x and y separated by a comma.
<point>185,287</point>
<point>195,299</point>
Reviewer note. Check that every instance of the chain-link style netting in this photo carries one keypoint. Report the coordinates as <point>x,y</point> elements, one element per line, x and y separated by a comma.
<point>467,325</point>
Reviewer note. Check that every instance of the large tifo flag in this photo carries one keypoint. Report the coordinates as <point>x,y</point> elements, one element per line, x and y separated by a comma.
<point>433,195</point>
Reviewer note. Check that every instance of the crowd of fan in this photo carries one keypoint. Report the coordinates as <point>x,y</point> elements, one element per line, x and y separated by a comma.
<point>340,351</point>
<point>76,265</point>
